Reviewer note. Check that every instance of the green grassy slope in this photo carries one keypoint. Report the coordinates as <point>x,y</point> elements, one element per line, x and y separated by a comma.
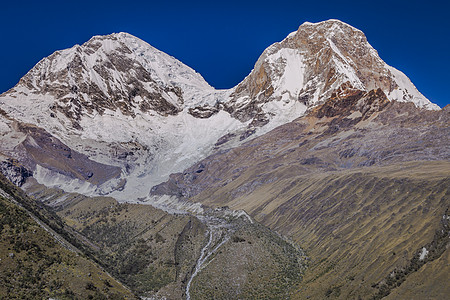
<point>35,265</point>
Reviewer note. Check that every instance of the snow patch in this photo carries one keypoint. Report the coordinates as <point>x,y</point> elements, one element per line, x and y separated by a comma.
<point>292,72</point>
<point>171,204</point>
<point>423,254</point>
<point>53,179</point>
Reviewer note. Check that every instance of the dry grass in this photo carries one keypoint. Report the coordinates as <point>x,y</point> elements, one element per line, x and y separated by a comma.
<point>356,225</point>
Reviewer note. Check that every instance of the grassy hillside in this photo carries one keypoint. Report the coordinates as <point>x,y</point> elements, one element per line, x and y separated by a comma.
<point>357,226</point>
<point>35,265</point>
<point>156,253</point>
<point>427,283</point>
<point>138,244</point>
<point>255,264</point>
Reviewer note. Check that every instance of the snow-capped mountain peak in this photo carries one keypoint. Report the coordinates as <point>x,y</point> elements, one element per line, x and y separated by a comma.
<point>116,71</point>
<point>313,62</point>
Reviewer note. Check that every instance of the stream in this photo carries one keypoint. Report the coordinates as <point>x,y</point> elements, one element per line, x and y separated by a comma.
<point>219,232</point>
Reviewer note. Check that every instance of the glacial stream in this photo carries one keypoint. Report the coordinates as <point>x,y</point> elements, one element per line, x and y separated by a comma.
<point>219,232</point>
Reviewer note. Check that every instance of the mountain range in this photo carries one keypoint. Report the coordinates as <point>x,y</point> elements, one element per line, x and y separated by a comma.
<point>325,163</point>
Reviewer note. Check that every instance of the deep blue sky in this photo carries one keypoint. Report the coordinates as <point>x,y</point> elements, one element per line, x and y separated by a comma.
<point>222,40</point>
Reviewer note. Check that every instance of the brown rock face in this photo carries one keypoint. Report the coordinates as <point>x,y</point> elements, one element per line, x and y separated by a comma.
<point>345,101</point>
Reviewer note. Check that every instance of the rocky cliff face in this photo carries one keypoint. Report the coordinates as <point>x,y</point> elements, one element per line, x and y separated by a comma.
<point>14,172</point>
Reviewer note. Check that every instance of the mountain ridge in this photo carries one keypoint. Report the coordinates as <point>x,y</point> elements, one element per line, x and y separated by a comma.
<point>123,103</point>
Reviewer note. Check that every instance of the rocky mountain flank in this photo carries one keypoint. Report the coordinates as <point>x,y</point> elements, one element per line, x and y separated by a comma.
<point>120,102</point>
<point>353,129</point>
<point>360,183</point>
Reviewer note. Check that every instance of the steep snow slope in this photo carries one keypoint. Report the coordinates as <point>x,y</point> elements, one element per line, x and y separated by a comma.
<point>118,71</point>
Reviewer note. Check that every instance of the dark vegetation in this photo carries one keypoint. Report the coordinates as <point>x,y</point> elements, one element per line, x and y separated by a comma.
<point>435,249</point>
<point>127,257</point>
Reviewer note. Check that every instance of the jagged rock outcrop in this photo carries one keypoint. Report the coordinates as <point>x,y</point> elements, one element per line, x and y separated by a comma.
<point>14,172</point>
